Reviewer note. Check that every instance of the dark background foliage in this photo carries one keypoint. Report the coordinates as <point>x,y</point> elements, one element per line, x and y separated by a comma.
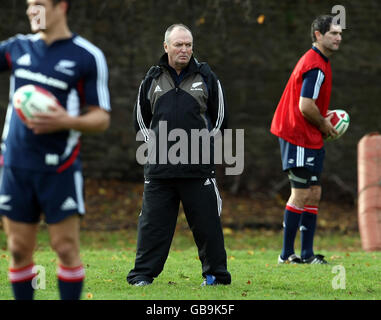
<point>253,59</point>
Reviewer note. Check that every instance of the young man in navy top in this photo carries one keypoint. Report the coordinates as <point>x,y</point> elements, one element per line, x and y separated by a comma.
<point>41,166</point>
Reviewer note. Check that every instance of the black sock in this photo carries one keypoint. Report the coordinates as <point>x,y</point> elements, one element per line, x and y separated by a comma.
<point>70,282</point>
<point>307,231</point>
<point>292,216</point>
<point>21,280</point>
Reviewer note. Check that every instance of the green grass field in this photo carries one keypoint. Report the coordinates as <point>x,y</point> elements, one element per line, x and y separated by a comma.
<point>252,261</point>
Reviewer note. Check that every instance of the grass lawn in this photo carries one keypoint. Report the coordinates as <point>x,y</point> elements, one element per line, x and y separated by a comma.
<point>252,261</point>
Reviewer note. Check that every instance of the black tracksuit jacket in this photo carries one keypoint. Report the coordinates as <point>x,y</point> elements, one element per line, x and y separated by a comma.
<point>195,100</point>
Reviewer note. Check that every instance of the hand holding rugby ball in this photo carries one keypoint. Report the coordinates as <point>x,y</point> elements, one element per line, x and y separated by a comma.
<point>31,99</point>
<point>340,121</point>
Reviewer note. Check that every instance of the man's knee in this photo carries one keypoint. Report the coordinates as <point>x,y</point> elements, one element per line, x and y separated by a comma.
<point>20,249</point>
<point>305,186</point>
<point>299,197</point>
<point>67,250</point>
<point>314,196</point>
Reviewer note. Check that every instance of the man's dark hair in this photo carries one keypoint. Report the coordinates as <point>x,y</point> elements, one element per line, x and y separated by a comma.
<point>322,24</point>
<point>55,2</point>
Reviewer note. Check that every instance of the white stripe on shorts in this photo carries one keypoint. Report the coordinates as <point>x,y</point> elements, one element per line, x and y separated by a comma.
<point>299,156</point>
<point>78,182</point>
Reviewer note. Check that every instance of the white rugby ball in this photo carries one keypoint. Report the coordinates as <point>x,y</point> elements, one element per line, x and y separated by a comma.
<point>30,99</point>
<point>340,122</point>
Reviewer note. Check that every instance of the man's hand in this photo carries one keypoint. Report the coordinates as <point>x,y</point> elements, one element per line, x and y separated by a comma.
<point>311,112</point>
<point>327,128</point>
<point>56,119</point>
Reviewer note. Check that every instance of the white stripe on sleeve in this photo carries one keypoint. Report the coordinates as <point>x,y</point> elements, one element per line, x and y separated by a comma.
<point>102,71</point>
<point>221,109</point>
<point>139,117</point>
<point>319,81</point>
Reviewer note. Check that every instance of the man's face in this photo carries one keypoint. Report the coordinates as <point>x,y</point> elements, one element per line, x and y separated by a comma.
<point>179,48</point>
<point>331,39</point>
<point>43,14</point>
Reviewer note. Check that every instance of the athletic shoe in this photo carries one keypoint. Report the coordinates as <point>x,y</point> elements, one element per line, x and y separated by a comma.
<point>292,259</point>
<point>210,281</point>
<point>316,259</point>
<point>142,283</point>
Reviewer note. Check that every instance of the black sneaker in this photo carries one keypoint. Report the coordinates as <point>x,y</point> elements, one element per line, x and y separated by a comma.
<point>292,259</point>
<point>315,259</point>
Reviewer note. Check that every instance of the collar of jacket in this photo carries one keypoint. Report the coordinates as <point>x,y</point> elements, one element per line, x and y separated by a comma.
<point>193,65</point>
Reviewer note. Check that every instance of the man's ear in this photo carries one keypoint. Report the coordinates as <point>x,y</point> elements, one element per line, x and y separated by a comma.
<point>165,46</point>
<point>64,6</point>
<point>318,35</point>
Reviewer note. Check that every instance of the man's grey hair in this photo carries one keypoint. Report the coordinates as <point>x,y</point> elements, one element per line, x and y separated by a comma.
<point>170,29</point>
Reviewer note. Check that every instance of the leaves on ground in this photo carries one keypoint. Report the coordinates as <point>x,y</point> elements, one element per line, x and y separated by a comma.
<point>116,204</point>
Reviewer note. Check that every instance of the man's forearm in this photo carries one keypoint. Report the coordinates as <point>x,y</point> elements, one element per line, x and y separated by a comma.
<point>96,120</point>
<point>311,112</point>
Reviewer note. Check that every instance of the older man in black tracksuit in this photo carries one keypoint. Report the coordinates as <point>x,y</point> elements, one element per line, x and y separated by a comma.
<point>179,93</point>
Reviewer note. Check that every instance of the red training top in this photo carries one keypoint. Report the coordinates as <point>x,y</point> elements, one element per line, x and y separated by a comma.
<point>288,122</point>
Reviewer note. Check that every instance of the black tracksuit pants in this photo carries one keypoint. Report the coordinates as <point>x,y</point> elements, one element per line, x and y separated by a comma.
<point>157,222</point>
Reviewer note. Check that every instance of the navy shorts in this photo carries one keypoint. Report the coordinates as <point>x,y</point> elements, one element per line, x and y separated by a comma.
<point>26,194</point>
<point>302,164</point>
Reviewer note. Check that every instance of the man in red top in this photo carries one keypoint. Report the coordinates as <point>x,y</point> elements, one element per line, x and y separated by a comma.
<point>300,123</point>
